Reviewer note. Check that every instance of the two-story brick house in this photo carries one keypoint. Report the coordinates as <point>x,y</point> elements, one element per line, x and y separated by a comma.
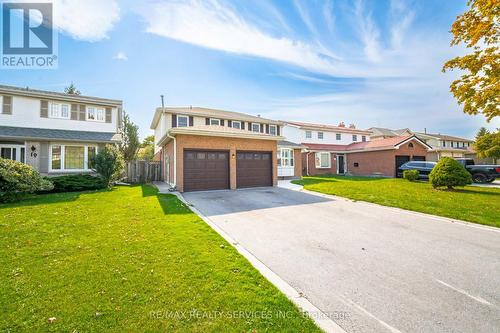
<point>56,133</point>
<point>207,149</point>
<point>347,150</point>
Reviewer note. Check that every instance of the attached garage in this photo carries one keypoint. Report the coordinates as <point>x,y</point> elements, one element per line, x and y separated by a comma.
<point>254,169</point>
<point>206,170</point>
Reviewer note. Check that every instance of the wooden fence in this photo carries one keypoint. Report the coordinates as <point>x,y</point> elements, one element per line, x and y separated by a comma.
<point>143,171</point>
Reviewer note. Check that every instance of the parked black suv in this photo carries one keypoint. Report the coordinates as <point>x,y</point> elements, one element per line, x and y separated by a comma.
<point>480,173</point>
<point>423,168</point>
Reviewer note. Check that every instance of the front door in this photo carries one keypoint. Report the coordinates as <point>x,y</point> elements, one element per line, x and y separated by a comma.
<point>340,164</point>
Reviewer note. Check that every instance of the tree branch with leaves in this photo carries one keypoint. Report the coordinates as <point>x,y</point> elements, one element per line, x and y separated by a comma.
<point>130,139</point>
<point>478,89</point>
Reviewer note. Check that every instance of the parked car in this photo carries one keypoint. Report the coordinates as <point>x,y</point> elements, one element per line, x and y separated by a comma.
<point>423,168</point>
<point>480,173</point>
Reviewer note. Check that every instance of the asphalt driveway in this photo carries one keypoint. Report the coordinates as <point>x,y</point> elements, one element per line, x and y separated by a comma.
<point>371,268</point>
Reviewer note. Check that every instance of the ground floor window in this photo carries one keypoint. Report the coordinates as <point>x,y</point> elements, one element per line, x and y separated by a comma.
<point>13,152</point>
<point>285,157</point>
<point>71,157</point>
<point>323,160</point>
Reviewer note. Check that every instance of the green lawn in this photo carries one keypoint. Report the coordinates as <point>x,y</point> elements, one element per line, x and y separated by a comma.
<point>475,204</point>
<point>128,260</point>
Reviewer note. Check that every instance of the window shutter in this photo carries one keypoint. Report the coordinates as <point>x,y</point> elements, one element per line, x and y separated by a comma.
<point>249,126</point>
<point>44,109</point>
<point>191,121</point>
<point>222,122</point>
<point>278,130</point>
<point>242,125</point>
<point>81,112</point>
<point>262,128</point>
<point>207,121</point>
<point>108,115</point>
<point>267,128</point>
<point>74,111</point>
<point>7,105</point>
<point>229,123</point>
<point>174,120</point>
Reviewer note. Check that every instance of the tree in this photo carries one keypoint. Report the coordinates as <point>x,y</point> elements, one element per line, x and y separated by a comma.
<point>478,89</point>
<point>108,163</point>
<point>147,150</point>
<point>449,173</point>
<point>130,139</point>
<point>488,144</point>
<point>71,90</point>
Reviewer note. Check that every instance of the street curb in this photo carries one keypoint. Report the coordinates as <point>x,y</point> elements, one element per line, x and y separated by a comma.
<point>434,217</point>
<point>318,316</point>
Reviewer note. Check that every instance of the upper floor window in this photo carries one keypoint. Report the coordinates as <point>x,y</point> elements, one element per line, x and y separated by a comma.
<point>214,121</point>
<point>308,134</point>
<point>182,121</point>
<point>338,136</point>
<point>320,135</point>
<point>59,110</point>
<point>451,144</point>
<point>363,138</point>
<point>444,143</point>
<point>354,137</point>
<point>236,124</point>
<point>95,114</point>
<point>255,127</point>
<point>272,129</point>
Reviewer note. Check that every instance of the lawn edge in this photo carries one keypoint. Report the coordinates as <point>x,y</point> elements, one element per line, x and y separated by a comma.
<point>319,317</point>
<point>414,212</point>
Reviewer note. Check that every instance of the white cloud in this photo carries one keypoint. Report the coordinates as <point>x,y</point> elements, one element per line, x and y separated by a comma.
<point>368,32</point>
<point>89,20</point>
<point>121,56</point>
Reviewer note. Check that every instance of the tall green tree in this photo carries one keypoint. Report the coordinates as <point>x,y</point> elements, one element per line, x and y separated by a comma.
<point>488,144</point>
<point>147,150</point>
<point>71,90</point>
<point>478,89</point>
<point>130,139</point>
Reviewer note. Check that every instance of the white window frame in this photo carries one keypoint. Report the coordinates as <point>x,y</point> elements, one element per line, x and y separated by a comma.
<point>58,110</point>
<point>214,120</point>
<point>63,151</point>
<point>354,138</point>
<point>258,127</point>
<point>236,121</point>
<point>321,135</point>
<point>283,156</point>
<point>18,151</point>
<point>318,159</point>
<point>98,112</point>
<point>363,138</point>
<point>275,129</point>
<point>310,135</point>
<point>179,116</point>
<point>338,136</point>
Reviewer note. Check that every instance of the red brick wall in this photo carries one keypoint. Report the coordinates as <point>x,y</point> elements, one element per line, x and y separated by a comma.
<point>318,171</point>
<point>381,162</point>
<point>297,160</point>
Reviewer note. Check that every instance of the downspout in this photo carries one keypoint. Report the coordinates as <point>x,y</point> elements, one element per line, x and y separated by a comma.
<point>174,185</point>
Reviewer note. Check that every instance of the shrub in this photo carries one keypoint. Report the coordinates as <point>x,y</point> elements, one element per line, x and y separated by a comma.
<point>449,173</point>
<point>109,164</point>
<point>410,175</point>
<point>71,183</point>
<point>18,179</point>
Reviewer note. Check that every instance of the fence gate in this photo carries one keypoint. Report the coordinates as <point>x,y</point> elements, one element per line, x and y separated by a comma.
<point>143,171</point>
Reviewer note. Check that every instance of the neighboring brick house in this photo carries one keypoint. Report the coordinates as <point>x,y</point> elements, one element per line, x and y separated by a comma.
<point>323,145</point>
<point>207,149</point>
<point>55,133</point>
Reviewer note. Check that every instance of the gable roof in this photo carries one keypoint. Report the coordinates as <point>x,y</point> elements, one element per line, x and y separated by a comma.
<point>326,127</point>
<point>380,144</point>
<point>381,131</point>
<point>210,113</point>
<point>28,92</point>
<point>444,137</point>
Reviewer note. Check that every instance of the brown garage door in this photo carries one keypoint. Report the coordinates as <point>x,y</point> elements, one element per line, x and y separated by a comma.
<point>206,170</point>
<point>253,169</point>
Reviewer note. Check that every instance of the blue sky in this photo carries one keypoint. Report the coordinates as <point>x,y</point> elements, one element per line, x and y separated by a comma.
<point>371,62</point>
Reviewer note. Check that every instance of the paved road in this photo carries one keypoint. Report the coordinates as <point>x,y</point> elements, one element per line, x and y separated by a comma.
<point>384,270</point>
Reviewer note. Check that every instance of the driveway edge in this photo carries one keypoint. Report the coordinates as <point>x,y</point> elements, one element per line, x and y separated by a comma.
<point>431,216</point>
<point>318,316</point>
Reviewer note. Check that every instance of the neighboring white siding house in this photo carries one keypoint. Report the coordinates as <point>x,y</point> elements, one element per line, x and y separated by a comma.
<point>55,132</point>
